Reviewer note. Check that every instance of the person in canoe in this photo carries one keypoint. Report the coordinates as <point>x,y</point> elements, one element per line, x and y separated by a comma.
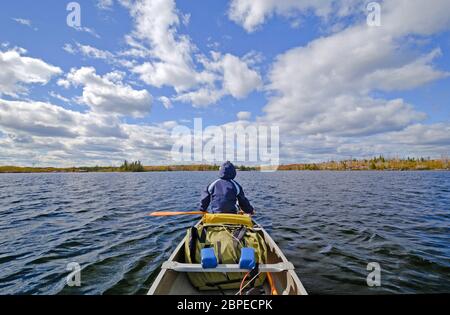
<point>225,195</point>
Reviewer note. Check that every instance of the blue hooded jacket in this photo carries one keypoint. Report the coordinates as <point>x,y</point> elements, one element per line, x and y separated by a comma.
<point>225,195</point>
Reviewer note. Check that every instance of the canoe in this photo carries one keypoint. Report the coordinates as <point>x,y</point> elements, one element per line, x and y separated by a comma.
<point>172,279</point>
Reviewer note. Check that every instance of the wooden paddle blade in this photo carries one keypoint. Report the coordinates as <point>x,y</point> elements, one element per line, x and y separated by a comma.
<point>173,213</point>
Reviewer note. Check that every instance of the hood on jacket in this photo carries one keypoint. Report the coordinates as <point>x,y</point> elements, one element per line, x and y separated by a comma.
<point>227,171</point>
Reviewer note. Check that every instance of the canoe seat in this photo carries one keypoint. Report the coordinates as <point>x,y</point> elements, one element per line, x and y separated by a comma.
<point>227,268</point>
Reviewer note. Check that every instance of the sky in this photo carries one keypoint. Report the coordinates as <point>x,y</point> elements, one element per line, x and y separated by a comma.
<point>115,85</point>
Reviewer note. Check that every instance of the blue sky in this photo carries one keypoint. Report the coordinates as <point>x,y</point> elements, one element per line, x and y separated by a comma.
<point>335,86</point>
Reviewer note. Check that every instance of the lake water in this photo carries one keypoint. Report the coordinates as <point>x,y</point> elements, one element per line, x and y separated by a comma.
<point>329,224</point>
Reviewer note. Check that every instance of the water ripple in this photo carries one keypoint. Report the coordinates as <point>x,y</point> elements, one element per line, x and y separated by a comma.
<point>329,224</point>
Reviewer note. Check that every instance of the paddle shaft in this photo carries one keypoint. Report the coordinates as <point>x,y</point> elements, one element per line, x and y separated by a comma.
<point>174,213</point>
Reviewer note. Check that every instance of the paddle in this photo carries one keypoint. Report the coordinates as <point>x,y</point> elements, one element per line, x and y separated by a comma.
<point>174,213</point>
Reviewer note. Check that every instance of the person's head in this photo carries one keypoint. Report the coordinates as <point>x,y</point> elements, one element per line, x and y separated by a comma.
<point>227,171</point>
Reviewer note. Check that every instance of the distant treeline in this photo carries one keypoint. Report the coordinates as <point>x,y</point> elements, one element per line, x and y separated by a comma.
<point>131,167</point>
<point>376,164</point>
<point>18,169</point>
<point>134,166</point>
<point>178,168</point>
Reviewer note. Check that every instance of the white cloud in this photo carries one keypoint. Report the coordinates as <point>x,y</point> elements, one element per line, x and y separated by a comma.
<point>86,30</point>
<point>108,94</point>
<point>69,48</point>
<point>415,16</point>
<point>406,76</point>
<point>89,51</point>
<point>201,97</point>
<point>156,23</point>
<point>252,13</point>
<point>95,53</point>
<point>170,124</point>
<point>167,103</point>
<point>234,75</point>
<point>238,79</point>
<point>46,134</point>
<point>59,97</point>
<point>170,58</point>
<point>25,22</point>
<point>37,118</point>
<point>352,116</point>
<point>433,135</point>
<point>244,115</point>
<point>47,120</point>
<point>327,85</point>
<point>105,4</point>
<point>417,140</point>
<point>18,70</point>
<point>159,74</point>
<point>324,95</point>
<point>64,83</point>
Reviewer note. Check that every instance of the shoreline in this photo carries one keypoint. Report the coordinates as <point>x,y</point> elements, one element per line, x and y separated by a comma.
<point>375,164</point>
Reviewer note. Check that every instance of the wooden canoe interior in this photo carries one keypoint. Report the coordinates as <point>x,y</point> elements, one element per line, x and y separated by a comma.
<point>170,282</point>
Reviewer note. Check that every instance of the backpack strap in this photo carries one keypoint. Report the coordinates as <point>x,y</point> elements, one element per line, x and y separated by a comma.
<point>238,236</point>
<point>240,233</point>
<point>219,251</point>
<point>202,238</point>
<point>193,243</point>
